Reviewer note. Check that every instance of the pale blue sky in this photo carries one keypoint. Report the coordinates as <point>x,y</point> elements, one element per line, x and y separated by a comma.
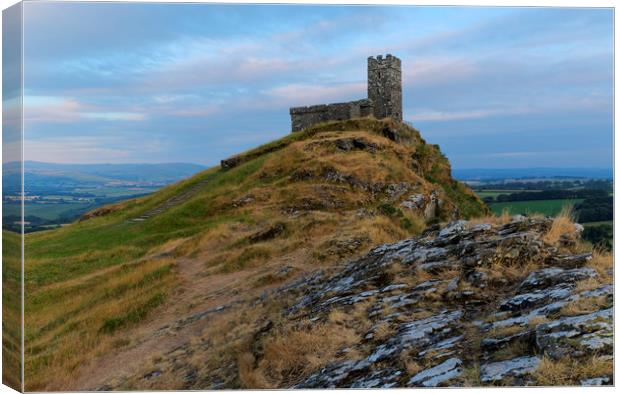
<point>494,87</point>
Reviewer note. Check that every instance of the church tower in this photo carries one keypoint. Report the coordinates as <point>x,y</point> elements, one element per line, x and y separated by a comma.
<point>385,87</point>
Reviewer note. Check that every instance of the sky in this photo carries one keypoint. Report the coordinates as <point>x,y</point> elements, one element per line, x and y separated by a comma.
<point>494,87</point>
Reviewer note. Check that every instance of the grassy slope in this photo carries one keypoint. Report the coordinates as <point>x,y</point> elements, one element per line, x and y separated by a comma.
<point>11,309</point>
<point>87,282</point>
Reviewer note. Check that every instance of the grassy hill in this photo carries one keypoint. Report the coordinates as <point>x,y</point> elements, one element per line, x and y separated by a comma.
<point>103,287</point>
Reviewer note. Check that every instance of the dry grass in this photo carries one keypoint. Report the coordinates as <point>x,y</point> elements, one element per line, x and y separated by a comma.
<point>569,371</point>
<point>584,305</point>
<point>512,350</point>
<point>500,332</point>
<point>383,331</point>
<point>504,218</point>
<point>603,263</point>
<point>587,284</point>
<point>471,376</point>
<point>412,367</point>
<point>564,223</point>
<point>536,320</point>
<point>295,353</point>
<point>60,336</point>
<point>501,270</point>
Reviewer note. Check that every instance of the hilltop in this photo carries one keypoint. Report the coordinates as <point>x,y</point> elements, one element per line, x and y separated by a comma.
<point>121,282</point>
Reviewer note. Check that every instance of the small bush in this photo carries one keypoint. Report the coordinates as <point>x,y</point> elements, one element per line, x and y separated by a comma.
<point>389,210</point>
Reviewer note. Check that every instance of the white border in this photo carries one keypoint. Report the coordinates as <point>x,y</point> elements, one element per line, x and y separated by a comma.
<point>484,3</point>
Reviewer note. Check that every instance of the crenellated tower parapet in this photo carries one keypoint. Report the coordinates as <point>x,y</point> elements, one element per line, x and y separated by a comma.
<point>385,87</point>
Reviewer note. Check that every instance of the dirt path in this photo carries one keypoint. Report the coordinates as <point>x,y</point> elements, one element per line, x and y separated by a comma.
<point>195,294</point>
<point>187,313</point>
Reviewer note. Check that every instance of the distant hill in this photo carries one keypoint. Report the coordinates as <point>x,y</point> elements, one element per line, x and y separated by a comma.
<point>40,175</point>
<point>485,174</point>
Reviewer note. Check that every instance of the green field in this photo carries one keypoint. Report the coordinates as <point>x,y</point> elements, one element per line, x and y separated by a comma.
<point>48,211</point>
<point>544,207</point>
<point>116,191</point>
<point>610,222</point>
<point>495,193</point>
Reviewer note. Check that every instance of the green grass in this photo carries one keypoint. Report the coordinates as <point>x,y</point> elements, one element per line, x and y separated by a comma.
<point>544,207</point>
<point>609,222</point>
<point>11,309</point>
<point>115,191</point>
<point>134,315</point>
<point>55,211</point>
<point>495,193</point>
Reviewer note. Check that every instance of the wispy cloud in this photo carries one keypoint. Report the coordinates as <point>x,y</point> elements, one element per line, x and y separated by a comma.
<point>50,109</point>
<point>296,94</point>
<point>442,116</point>
<point>189,74</point>
<point>77,150</point>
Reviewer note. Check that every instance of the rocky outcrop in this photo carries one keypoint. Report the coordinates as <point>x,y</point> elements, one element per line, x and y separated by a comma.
<point>469,304</point>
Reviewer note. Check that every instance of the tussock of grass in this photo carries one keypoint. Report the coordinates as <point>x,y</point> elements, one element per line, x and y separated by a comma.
<point>412,367</point>
<point>569,371</point>
<point>383,331</point>
<point>563,224</point>
<point>584,305</point>
<point>603,263</point>
<point>294,354</point>
<point>504,218</point>
<point>587,284</point>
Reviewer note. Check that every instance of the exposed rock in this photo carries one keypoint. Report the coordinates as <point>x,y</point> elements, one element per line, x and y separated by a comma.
<point>454,319</point>
<point>438,374</point>
<point>517,367</point>
<point>268,233</point>
<point>438,338</point>
<point>600,381</point>
<point>551,276</point>
<point>380,379</point>
<point>537,297</point>
<point>332,375</point>
<point>247,199</point>
<point>428,205</point>
<point>414,202</point>
<point>420,334</point>
<point>395,190</point>
<point>348,144</point>
<point>577,335</point>
<point>572,261</point>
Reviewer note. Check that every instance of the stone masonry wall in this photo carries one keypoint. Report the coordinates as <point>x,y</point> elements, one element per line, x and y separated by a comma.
<point>384,98</point>
<point>303,117</point>
<point>385,87</point>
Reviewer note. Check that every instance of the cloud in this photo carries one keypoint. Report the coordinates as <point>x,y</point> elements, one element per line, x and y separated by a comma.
<point>299,94</point>
<point>430,115</point>
<point>234,71</point>
<point>81,149</point>
<point>114,116</point>
<point>52,109</point>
